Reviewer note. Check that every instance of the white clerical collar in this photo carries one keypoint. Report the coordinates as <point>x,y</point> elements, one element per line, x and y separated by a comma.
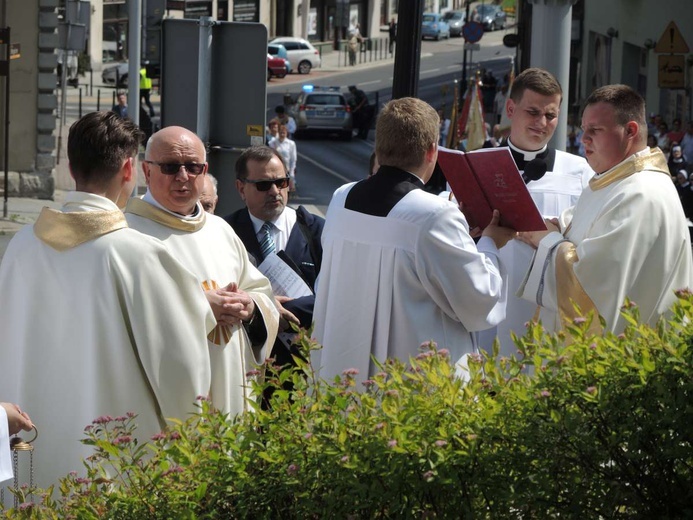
<point>149,198</point>
<point>645,151</point>
<point>528,155</point>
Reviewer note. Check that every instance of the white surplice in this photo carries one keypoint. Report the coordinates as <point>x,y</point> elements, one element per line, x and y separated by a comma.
<point>388,284</point>
<point>5,456</point>
<point>97,320</point>
<point>209,247</point>
<point>627,237</point>
<point>555,192</point>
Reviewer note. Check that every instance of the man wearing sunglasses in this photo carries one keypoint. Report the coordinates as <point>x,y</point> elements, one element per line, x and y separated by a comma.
<point>100,320</point>
<point>240,296</point>
<point>262,181</point>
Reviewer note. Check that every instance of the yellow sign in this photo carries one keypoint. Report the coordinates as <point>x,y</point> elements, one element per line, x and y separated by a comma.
<point>255,130</point>
<point>671,41</point>
<point>671,71</point>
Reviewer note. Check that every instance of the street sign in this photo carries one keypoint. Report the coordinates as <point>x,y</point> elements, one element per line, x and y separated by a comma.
<point>472,32</point>
<point>671,71</point>
<point>671,41</point>
<point>472,47</point>
<point>15,51</point>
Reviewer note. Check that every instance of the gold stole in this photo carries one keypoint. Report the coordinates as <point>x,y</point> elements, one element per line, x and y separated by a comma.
<point>63,231</point>
<point>569,291</point>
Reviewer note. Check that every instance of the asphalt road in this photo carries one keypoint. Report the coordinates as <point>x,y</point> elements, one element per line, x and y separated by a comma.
<point>325,163</point>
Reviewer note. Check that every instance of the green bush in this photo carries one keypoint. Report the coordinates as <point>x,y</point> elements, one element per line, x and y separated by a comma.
<point>575,426</point>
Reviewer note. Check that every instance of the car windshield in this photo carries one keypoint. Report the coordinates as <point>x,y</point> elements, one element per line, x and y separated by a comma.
<point>452,16</point>
<point>486,9</point>
<point>429,18</point>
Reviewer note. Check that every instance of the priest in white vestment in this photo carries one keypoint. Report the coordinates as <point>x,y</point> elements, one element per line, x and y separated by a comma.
<point>175,166</point>
<point>555,180</point>
<point>12,421</point>
<point>99,320</point>
<point>399,265</point>
<point>627,235</point>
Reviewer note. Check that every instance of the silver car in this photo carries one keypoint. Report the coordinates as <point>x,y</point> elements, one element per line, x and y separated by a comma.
<point>322,109</point>
<point>116,74</point>
<point>455,20</point>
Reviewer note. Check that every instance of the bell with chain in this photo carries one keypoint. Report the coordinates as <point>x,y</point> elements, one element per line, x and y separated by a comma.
<point>17,445</point>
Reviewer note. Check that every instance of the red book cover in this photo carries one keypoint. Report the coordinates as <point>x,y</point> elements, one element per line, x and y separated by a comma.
<point>488,179</point>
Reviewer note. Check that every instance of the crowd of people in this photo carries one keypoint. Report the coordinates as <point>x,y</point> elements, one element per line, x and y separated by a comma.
<point>168,303</point>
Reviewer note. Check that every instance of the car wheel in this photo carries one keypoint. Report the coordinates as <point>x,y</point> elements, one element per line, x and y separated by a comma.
<point>304,67</point>
<point>123,81</point>
<point>493,26</point>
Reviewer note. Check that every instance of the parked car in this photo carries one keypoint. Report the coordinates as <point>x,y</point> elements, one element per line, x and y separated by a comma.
<point>322,109</point>
<point>455,19</point>
<point>433,26</point>
<point>492,17</point>
<point>279,51</point>
<point>301,53</point>
<point>275,67</point>
<point>116,74</point>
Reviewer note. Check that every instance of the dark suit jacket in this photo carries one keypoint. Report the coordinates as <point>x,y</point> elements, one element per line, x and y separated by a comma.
<point>297,249</point>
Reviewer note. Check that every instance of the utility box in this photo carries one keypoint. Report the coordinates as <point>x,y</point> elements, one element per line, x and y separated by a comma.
<point>233,96</point>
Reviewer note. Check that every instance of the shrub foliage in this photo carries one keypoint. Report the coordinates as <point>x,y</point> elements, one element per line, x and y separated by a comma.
<point>574,426</point>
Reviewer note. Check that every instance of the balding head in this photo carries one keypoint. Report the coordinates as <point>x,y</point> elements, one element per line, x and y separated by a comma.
<point>177,189</point>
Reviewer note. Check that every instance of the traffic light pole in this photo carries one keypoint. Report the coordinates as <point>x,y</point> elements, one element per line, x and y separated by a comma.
<point>405,78</point>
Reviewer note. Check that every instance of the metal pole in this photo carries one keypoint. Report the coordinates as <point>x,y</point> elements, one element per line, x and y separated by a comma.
<point>405,80</point>
<point>7,113</point>
<point>204,76</point>
<point>98,99</point>
<point>134,45</point>
<point>80,102</point>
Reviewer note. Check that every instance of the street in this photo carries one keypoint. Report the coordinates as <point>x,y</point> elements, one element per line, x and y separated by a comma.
<point>325,163</point>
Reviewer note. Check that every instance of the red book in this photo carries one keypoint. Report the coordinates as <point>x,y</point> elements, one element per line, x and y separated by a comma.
<point>488,179</point>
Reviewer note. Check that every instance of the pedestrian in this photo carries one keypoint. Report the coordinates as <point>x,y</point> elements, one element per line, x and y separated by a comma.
<point>209,196</point>
<point>392,32</point>
<point>555,180</point>
<point>361,111</point>
<point>241,297</point>
<point>121,106</point>
<point>145,89</point>
<point>399,265</point>
<point>287,149</point>
<point>103,319</point>
<point>354,44</point>
<point>626,237</point>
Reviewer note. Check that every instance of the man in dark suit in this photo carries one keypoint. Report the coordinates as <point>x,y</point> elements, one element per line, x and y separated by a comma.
<point>267,225</point>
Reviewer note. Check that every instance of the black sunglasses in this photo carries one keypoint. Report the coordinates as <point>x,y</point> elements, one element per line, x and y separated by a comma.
<point>174,168</point>
<point>266,185</point>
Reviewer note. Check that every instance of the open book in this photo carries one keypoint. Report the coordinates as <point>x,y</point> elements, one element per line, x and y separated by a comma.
<point>488,179</point>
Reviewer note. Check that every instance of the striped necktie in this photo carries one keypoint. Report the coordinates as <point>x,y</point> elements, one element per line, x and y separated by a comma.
<point>267,246</point>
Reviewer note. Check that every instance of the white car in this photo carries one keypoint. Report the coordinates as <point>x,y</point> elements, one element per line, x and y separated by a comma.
<point>302,55</point>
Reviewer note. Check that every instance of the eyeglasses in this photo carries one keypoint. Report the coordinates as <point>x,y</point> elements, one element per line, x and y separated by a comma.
<point>174,168</point>
<point>266,185</point>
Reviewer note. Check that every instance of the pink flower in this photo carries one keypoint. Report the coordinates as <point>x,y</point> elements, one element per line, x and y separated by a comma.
<point>429,475</point>
<point>441,443</point>
<point>121,418</point>
<point>104,419</point>
<point>350,372</point>
<point>308,435</point>
<point>175,436</point>
<point>345,459</point>
<point>158,436</point>
<point>592,390</point>
<point>392,443</point>
<point>443,352</point>
<point>425,355</point>
<point>379,426</point>
<point>579,320</point>
<point>131,414</point>
<point>392,393</point>
<point>252,373</point>
<point>292,469</point>
<point>368,383</point>
<point>545,393</point>
<point>123,439</point>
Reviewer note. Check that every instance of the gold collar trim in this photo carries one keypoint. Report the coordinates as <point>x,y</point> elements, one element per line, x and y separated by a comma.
<point>654,161</point>
<point>63,231</point>
<point>146,210</point>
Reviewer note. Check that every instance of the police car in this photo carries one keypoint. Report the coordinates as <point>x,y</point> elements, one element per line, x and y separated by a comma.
<point>322,110</point>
